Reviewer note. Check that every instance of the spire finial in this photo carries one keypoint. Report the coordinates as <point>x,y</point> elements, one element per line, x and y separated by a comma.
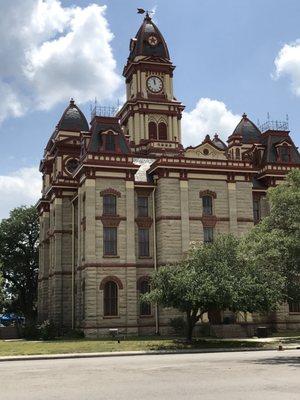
<point>72,102</point>
<point>142,11</point>
<point>244,115</point>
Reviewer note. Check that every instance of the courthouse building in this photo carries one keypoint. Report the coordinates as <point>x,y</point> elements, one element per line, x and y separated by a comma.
<point>121,197</point>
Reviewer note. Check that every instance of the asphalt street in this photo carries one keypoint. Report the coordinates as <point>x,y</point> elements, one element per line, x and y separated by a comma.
<point>246,375</point>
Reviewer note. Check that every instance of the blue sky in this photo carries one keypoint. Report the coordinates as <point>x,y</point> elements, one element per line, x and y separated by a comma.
<point>224,51</point>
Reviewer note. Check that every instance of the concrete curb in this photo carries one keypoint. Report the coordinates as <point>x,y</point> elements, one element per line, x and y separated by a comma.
<point>131,353</point>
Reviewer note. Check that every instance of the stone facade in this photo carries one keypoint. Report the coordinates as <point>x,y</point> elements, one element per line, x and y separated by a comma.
<point>123,197</point>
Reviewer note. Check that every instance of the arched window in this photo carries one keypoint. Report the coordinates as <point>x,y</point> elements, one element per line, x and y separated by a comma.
<point>152,130</point>
<point>162,131</point>
<point>207,205</point>
<point>110,299</point>
<point>237,154</point>
<point>144,287</point>
<point>109,204</point>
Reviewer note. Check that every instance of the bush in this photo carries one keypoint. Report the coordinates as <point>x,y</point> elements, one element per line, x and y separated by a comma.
<point>178,325</point>
<point>47,330</point>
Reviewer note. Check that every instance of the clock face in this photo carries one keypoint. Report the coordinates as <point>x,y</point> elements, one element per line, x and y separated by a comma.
<point>152,40</point>
<point>154,84</point>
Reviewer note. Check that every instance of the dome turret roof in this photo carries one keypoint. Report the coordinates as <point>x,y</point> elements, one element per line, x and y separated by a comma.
<point>73,119</point>
<point>148,41</point>
<point>247,130</point>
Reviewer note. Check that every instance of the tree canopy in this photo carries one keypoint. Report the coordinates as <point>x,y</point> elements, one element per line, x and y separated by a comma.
<point>275,241</point>
<point>19,259</point>
<point>215,276</point>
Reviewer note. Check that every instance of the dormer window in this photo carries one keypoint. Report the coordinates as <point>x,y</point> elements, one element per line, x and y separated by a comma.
<point>284,154</point>
<point>110,142</point>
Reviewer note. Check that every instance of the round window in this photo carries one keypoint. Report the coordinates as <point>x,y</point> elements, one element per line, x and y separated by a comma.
<point>71,165</point>
<point>205,152</point>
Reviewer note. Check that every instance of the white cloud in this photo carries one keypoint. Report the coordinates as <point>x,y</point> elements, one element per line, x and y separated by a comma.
<point>22,187</point>
<point>208,117</point>
<point>50,53</point>
<point>287,63</point>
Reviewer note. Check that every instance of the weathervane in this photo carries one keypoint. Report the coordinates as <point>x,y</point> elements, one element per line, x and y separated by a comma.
<point>142,11</point>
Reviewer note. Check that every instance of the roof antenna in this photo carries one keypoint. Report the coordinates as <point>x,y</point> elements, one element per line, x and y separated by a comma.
<point>268,116</point>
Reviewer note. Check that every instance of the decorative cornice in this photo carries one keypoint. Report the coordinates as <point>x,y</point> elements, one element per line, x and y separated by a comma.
<point>207,192</point>
<point>112,191</point>
<point>144,222</point>
<point>110,221</point>
<point>209,221</point>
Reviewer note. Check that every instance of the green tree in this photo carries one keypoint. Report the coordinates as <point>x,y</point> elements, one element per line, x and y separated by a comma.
<point>215,276</point>
<point>19,259</point>
<point>275,241</point>
<point>2,294</point>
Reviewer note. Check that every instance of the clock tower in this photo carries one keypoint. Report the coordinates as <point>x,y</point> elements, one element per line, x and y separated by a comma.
<point>151,115</point>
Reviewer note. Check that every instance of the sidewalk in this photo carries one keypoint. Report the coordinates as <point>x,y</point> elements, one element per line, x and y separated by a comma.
<point>137,353</point>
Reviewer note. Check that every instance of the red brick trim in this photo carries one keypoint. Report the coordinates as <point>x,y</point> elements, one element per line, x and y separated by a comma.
<point>56,273</point>
<point>110,191</point>
<point>144,222</point>
<point>111,278</point>
<point>112,221</point>
<point>209,221</point>
<point>203,193</point>
<point>245,220</point>
<point>116,265</point>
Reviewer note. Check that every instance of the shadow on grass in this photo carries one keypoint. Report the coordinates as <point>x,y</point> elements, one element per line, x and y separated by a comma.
<point>206,344</point>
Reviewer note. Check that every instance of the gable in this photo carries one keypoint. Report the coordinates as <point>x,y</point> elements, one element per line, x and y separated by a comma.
<point>205,150</point>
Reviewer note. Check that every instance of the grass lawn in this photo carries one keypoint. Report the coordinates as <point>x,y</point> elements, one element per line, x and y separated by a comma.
<point>27,347</point>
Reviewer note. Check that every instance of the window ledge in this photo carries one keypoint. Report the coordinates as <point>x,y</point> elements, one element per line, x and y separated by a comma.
<point>111,317</point>
<point>294,312</point>
<point>111,256</point>
<point>145,257</point>
<point>146,316</point>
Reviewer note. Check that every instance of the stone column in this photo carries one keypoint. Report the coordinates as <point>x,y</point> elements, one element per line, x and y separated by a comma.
<point>184,206</point>
<point>146,120</point>
<point>90,253</point>
<point>131,291</point>
<point>232,205</point>
<point>57,279</point>
<point>137,136</point>
<point>142,126</point>
<point>170,128</point>
<point>175,129</point>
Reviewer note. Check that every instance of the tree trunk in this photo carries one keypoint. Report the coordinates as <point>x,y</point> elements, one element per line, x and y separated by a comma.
<point>190,326</point>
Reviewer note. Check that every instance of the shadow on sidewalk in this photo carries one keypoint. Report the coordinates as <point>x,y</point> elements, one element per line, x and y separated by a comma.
<point>292,361</point>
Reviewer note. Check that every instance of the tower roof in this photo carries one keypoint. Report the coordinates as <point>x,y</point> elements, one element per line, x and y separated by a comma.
<point>73,119</point>
<point>247,130</point>
<point>148,41</point>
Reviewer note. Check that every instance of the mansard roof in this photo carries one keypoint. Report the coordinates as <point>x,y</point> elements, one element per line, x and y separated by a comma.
<point>272,139</point>
<point>73,119</point>
<point>143,43</point>
<point>102,126</point>
<point>248,131</point>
